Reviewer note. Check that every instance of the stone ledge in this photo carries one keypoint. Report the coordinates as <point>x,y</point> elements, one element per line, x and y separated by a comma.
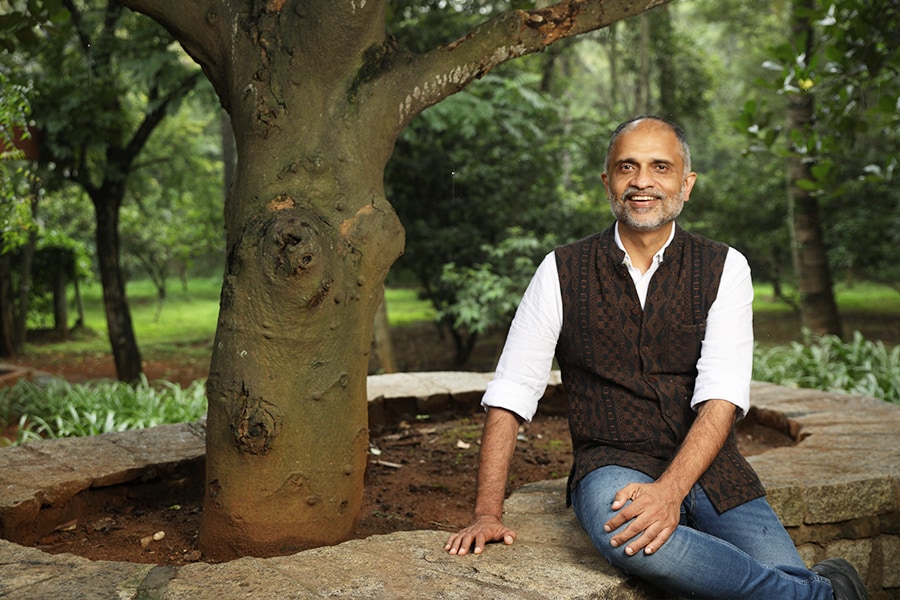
<point>837,491</point>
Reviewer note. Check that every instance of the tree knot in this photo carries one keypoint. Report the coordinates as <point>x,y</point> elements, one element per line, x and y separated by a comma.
<point>254,424</point>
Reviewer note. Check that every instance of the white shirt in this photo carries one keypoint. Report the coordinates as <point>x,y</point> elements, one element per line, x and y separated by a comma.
<point>726,355</point>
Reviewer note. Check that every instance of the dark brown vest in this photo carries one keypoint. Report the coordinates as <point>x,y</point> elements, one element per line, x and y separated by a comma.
<point>629,372</point>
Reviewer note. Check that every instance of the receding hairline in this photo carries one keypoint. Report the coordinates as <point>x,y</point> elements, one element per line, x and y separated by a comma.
<point>632,123</point>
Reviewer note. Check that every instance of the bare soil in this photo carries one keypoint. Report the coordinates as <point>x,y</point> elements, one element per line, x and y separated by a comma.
<point>420,475</point>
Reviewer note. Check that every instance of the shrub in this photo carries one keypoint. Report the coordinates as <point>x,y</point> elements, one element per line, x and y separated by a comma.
<point>56,408</point>
<point>830,364</point>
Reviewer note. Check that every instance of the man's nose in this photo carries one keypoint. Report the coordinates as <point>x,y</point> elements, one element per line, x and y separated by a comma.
<point>641,179</point>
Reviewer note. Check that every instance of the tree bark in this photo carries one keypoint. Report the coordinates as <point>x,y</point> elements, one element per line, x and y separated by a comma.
<point>7,308</point>
<point>60,259</point>
<point>317,95</point>
<point>818,309</point>
<point>384,347</point>
<point>126,354</point>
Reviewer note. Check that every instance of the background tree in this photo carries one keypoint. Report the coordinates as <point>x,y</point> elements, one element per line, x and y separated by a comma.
<point>473,167</point>
<point>174,224</point>
<point>818,308</point>
<point>16,224</point>
<point>103,83</point>
<point>838,72</point>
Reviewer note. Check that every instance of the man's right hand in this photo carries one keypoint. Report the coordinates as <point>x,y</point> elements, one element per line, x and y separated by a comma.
<point>483,530</point>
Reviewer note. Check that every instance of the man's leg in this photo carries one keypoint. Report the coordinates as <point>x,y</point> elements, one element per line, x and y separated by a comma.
<point>691,563</point>
<point>753,527</point>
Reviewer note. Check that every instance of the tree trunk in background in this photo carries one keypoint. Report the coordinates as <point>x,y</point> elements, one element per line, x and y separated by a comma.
<point>126,354</point>
<point>60,259</point>
<point>666,72</point>
<point>26,252</point>
<point>643,84</point>
<point>7,308</point>
<point>384,348</point>
<point>818,309</point>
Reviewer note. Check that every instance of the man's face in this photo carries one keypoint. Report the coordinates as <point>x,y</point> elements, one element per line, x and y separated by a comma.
<point>646,184</point>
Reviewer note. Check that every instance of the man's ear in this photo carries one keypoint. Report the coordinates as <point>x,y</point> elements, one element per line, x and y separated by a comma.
<point>688,185</point>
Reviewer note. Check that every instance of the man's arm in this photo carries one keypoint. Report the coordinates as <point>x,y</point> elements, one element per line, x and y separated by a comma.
<point>655,508</point>
<point>501,427</point>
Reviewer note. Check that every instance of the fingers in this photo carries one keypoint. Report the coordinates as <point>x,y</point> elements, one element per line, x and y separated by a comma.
<point>629,492</point>
<point>649,541</point>
<point>476,537</point>
<point>462,542</point>
<point>621,499</point>
<point>646,519</point>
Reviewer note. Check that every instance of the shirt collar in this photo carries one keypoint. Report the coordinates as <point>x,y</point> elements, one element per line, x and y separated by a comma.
<point>657,258</point>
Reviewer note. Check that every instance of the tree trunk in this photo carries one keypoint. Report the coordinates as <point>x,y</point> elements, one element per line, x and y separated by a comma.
<point>27,251</point>
<point>126,354</point>
<point>287,427</point>
<point>317,94</point>
<point>818,309</point>
<point>666,71</point>
<point>384,348</point>
<point>643,84</point>
<point>7,308</point>
<point>60,260</point>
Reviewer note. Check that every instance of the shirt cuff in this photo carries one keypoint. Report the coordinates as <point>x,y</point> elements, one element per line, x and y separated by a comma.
<point>738,394</point>
<point>517,398</point>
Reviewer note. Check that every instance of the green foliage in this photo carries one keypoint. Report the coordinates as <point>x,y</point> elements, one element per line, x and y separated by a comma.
<point>55,408</point>
<point>830,364</point>
<point>15,208</point>
<point>404,307</point>
<point>175,225</point>
<point>488,293</point>
<point>852,147</point>
<point>21,20</point>
<point>479,163</point>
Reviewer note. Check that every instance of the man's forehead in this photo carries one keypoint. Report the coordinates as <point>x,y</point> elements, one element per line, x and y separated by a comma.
<point>648,137</point>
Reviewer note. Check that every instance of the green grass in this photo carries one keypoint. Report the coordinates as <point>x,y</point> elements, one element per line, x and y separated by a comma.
<point>185,323</point>
<point>861,297</point>
<point>405,307</point>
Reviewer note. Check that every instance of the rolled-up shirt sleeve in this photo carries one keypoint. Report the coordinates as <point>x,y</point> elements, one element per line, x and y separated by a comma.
<point>527,358</point>
<point>726,356</point>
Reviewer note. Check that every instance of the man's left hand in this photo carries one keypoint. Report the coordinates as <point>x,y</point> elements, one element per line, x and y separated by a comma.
<point>652,512</point>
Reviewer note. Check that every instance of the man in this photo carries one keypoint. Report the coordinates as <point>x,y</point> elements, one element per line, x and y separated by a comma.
<point>652,330</point>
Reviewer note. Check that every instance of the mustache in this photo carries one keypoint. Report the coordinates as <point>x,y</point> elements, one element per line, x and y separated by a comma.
<point>633,191</point>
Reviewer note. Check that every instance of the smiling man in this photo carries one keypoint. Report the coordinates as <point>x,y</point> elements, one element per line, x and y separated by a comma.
<point>652,329</point>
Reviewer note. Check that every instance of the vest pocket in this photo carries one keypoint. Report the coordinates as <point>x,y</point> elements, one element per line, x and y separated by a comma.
<point>682,347</point>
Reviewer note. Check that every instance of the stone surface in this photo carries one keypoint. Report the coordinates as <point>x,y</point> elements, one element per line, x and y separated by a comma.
<point>847,466</point>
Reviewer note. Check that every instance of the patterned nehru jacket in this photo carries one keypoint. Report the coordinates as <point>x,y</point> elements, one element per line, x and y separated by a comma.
<point>629,372</point>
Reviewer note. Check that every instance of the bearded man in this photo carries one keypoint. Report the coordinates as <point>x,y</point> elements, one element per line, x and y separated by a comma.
<point>652,329</point>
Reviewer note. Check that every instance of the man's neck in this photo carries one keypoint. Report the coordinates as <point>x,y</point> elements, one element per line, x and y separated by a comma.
<point>642,246</point>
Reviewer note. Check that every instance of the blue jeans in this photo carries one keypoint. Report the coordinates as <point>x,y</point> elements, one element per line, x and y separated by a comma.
<point>742,553</point>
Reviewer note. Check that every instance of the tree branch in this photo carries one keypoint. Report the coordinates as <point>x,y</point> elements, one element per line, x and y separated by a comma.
<point>78,23</point>
<point>446,70</point>
<point>202,27</point>
<point>126,156</point>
